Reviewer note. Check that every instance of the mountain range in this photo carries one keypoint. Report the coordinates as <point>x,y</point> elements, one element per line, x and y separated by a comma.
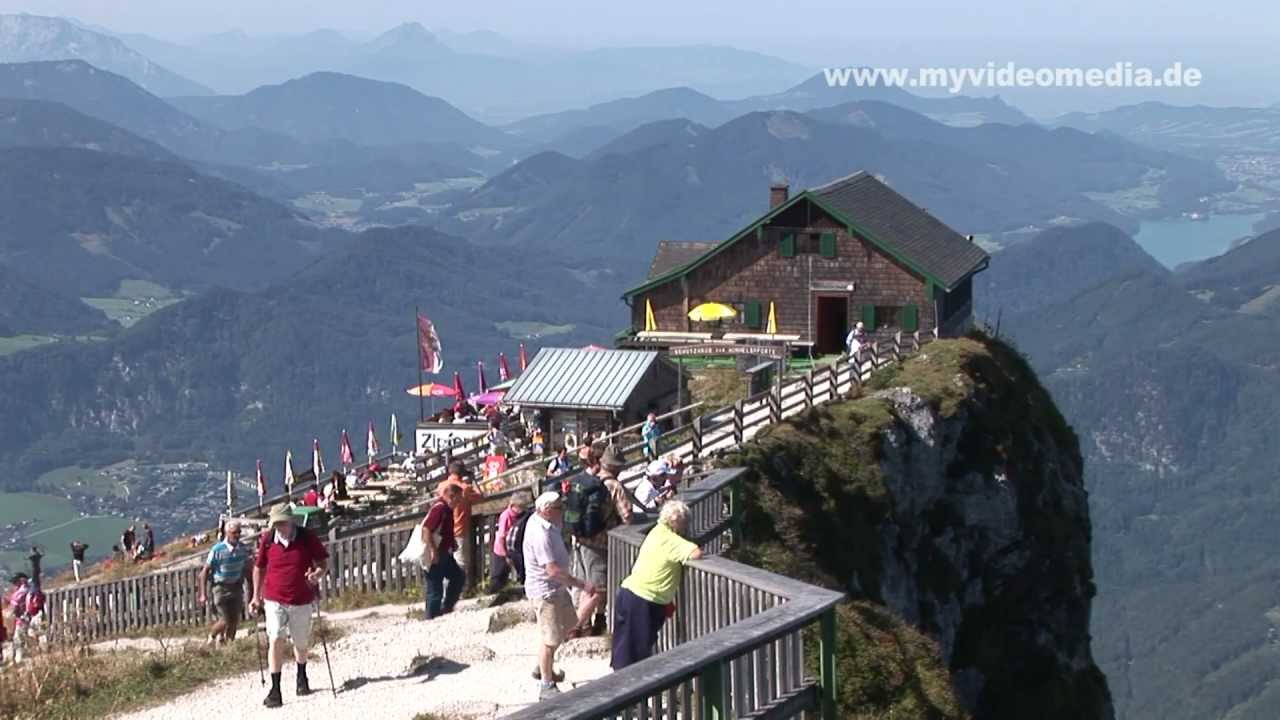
<point>278,165</point>
<point>326,106</point>
<point>1197,129</point>
<point>27,308</point>
<point>1170,381</point>
<point>490,76</point>
<point>578,132</point>
<point>237,375</point>
<point>24,38</point>
<point>681,180</point>
<point>90,219</point>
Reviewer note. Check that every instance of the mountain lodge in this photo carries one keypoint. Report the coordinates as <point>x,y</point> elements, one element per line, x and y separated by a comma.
<point>817,262</point>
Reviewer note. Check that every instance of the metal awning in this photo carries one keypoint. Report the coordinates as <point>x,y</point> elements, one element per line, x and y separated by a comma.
<point>575,378</point>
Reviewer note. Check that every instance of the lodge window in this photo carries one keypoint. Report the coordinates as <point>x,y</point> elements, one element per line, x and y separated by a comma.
<point>891,317</point>
<point>792,244</point>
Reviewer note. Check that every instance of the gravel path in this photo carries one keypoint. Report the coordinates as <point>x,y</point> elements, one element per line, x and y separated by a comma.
<point>474,663</point>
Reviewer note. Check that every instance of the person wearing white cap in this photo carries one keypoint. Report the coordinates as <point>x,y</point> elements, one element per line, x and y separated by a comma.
<point>856,339</point>
<point>547,582</point>
<point>652,490</point>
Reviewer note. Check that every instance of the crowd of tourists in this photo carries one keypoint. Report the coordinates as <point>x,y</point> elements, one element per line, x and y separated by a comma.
<point>552,549</point>
<point>558,550</point>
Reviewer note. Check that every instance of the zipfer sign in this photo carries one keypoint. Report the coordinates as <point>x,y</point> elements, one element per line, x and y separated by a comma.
<point>776,352</point>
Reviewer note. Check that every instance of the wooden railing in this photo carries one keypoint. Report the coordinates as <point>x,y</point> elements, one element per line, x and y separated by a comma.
<point>364,557</point>
<point>736,645</point>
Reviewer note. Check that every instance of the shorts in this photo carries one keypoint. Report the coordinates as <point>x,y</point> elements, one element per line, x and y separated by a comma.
<point>556,617</point>
<point>591,564</point>
<point>293,619</point>
<point>229,601</point>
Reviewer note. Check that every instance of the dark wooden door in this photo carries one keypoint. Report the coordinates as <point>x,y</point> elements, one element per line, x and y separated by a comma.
<point>832,324</point>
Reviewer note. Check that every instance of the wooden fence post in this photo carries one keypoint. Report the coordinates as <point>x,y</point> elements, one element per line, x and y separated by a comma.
<point>737,423</point>
<point>827,652</point>
<point>775,408</point>
<point>697,437</point>
<point>897,347</point>
<point>808,389</point>
<point>715,691</point>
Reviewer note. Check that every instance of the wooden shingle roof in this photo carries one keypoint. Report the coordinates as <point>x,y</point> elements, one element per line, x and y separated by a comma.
<point>870,209</point>
<point>672,254</point>
<point>905,228</point>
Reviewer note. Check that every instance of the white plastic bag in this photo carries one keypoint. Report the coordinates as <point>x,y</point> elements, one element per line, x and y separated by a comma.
<point>415,551</point>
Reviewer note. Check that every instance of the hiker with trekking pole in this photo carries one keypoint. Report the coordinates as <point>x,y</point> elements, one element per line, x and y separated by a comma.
<point>286,574</point>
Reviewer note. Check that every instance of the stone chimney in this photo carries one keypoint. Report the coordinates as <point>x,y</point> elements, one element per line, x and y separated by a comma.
<point>778,193</point>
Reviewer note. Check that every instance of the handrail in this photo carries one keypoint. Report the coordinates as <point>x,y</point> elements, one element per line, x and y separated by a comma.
<point>656,687</point>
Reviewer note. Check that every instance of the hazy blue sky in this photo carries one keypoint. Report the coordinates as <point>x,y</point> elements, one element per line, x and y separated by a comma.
<point>1232,41</point>
<point>722,21</point>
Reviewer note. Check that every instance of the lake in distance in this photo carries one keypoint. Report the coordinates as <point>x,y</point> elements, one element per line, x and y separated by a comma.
<point>1180,240</point>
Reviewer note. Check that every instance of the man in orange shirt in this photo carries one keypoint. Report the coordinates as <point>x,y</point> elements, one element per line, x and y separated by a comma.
<point>467,495</point>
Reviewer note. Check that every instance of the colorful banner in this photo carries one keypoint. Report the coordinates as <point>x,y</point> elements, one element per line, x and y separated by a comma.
<point>494,465</point>
<point>429,346</point>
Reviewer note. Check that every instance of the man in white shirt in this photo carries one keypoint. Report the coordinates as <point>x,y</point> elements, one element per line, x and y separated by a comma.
<point>856,339</point>
<point>546,584</point>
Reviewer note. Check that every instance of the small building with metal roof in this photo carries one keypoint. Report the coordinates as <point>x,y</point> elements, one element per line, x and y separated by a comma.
<point>581,392</point>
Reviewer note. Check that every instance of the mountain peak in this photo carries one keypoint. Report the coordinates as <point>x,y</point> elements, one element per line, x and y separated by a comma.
<point>405,36</point>
<point>29,38</point>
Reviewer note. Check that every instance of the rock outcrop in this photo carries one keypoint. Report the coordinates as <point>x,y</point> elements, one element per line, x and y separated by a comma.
<point>948,501</point>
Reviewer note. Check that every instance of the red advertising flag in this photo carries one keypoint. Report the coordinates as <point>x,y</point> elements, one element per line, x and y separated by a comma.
<point>371,443</point>
<point>524,359</point>
<point>317,463</point>
<point>504,370</point>
<point>347,457</point>
<point>429,346</point>
<point>484,386</point>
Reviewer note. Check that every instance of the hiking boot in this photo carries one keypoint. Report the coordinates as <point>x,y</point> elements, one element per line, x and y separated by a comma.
<point>558,675</point>
<point>304,687</point>
<point>273,698</point>
<point>548,691</point>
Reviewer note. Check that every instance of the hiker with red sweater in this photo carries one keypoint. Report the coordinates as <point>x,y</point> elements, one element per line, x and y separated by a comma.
<point>444,578</point>
<point>290,562</point>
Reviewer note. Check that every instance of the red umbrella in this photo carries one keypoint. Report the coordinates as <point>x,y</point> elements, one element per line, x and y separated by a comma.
<point>432,390</point>
<point>484,386</point>
<point>504,372</point>
<point>524,359</point>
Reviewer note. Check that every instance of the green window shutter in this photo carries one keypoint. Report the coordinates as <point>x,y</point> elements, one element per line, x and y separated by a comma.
<point>910,318</point>
<point>828,245</point>
<point>787,248</point>
<point>751,313</point>
<point>868,317</point>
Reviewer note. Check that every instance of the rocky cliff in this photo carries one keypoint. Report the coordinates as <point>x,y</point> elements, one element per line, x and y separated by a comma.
<point>948,501</point>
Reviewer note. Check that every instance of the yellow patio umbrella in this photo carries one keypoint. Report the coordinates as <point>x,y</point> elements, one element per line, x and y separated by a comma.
<point>711,311</point>
<point>772,326</point>
<point>650,324</point>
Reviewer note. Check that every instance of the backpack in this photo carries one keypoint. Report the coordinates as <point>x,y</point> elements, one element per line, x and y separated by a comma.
<point>514,543</point>
<point>585,506</point>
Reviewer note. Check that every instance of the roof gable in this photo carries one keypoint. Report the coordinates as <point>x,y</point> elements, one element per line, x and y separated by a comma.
<point>904,229</point>
<point>672,255</point>
<point>876,212</point>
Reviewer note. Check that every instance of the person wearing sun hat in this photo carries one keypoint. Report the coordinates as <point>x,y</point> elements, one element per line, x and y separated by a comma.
<point>547,582</point>
<point>289,564</point>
